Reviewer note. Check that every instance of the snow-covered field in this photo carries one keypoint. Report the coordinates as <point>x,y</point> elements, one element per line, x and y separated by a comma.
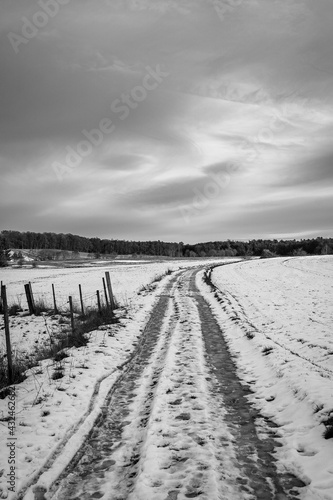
<point>277,316</point>
<point>50,412</point>
<point>128,278</point>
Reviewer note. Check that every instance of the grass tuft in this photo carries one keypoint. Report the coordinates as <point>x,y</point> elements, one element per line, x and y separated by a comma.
<point>144,289</point>
<point>58,341</point>
<point>60,355</point>
<point>328,432</point>
<point>317,408</point>
<point>41,306</point>
<point>93,319</point>
<point>58,373</point>
<point>20,365</point>
<point>13,309</point>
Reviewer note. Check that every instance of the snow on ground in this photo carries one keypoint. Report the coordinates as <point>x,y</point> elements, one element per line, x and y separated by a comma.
<point>181,452</point>
<point>49,412</point>
<point>277,317</point>
<point>29,333</point>
<point>55,414</point>
<point>126,277</point>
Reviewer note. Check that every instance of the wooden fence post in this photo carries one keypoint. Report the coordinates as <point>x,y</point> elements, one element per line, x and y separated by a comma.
<point>108,282</point>
<point>81,300</point>
<point>1,298</point>
<point>8,346</point>
<point>27,289</point>
<point>72,313</point>
<point>105,293</point>
<point>99,302</point>
<point>54,300</point>
<point>32,298</point>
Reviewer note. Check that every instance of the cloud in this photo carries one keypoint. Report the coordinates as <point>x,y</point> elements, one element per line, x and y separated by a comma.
<point>251,87</point>
<point>317,170</point>
<point>174,192</point>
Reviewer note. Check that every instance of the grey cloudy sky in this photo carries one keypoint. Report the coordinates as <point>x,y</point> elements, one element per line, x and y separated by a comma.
<point>188,120</point>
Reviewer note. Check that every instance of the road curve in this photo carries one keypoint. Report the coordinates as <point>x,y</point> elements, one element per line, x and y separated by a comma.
<point>178,424</point>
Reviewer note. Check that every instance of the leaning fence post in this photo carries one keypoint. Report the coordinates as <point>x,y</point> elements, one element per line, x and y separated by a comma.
<point>32,298</point>
<point>54,300</point>
<point>105,293</point>
<point>72,313</point>
<point>108,282</point>
<point>27,289</point>
<point>81,300</point>
<point>8,346</point>
<point>99,302</point>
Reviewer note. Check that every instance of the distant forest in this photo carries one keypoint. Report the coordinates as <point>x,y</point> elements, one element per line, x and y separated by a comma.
<point>96,246</point>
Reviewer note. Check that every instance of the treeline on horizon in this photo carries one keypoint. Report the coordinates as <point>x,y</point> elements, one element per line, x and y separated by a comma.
<point>74,243</point>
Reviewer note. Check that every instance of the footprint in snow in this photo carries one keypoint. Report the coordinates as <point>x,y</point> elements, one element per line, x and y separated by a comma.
<point>183,416</point>
<point>193,494</point>
<point>175,402</point>
<point>172,495</point>
<point>307,453</point>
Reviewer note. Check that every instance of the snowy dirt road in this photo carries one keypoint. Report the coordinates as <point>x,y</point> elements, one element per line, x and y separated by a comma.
<point>178,423</point>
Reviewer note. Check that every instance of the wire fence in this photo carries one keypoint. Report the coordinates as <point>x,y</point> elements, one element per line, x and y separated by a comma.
<point>81,321</point>
<point>53,299</point>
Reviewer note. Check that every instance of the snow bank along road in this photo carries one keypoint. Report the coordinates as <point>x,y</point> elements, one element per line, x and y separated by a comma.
<point>178,423</point>
<point>277,319</point>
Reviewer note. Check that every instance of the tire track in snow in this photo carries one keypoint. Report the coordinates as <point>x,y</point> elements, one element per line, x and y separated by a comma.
<point>87,475</point>
<point>290,263</point>
<point>182,456</point>
<point>159,439</point>
<point>258,474</point>
<point>178,424</point>
<point>235,310</point>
